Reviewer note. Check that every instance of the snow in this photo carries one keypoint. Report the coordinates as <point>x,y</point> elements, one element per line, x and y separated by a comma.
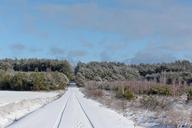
<point>102,116</point>
<point>46,117</point>
<point>14,104</point>
<point>73,110</point>
<point>74,115</point>
<point>7,97</point>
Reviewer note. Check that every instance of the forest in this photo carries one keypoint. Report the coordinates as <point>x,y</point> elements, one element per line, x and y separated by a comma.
<point>34,74</point>
<point>178,72</point>
<point>128,81</point>
<point>21,74</point>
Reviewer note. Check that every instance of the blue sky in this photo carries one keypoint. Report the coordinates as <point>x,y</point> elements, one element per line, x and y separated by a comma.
<point>131,31</point>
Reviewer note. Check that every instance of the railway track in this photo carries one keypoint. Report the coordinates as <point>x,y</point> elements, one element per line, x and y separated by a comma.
<point>73,110</point>
<point>76,99</point>
<point>61,116</point>
<point>92,125</point>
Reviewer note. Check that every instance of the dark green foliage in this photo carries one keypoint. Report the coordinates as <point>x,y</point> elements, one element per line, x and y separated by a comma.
<point>5,79</point>
<point>179,72</point>
<point>32,81</point>
<point>38,80</point>
<point>124,92</point>
<point>189,94</point>
<point>80,79</point>
<point>19,82</point>
<point>37,65</point>
<point>160,90</point>
<point>177,66</point>
<point>105,71</point>
<point>34,74</point>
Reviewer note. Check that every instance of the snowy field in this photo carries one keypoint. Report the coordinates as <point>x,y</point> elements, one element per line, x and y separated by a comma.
<point>16,104</point>
<point>7,97</point>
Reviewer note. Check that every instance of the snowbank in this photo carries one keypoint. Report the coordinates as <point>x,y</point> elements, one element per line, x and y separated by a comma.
<point>14,105</point>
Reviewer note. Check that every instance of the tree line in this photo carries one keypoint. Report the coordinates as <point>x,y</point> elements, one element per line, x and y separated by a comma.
<point>178,72</point>
<point>37,65</point>
<point>32,81</point>
<point>104,71</point>
<point>34,74</point>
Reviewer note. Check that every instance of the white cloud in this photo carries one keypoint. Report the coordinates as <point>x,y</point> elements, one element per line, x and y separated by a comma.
<point>167,22</point>
<point>168,19</point>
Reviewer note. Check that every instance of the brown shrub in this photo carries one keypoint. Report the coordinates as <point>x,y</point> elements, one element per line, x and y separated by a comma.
<point>160,90</point>
<point>95,92</point>
<point>141,87</point>
<point>154,102</point>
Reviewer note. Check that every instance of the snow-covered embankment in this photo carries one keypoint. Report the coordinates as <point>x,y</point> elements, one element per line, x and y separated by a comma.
<point>14,105</point>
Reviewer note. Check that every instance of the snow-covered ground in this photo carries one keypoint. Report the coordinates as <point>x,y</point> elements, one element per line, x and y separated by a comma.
<point>175,112</point>
<point>7,97</point>
<point>16,104</point>
<point>73,110</point>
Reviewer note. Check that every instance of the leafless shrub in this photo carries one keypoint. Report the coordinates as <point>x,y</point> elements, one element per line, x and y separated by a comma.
<point>154,103</point>
<point>178,118</point>
<point>123,106</point>
<point>140,87</point>
<point>97,93</point>
<point>93,90</point>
